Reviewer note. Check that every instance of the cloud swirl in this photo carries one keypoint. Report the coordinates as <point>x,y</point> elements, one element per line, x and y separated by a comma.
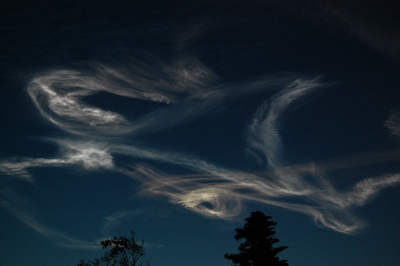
<point>185,91</point>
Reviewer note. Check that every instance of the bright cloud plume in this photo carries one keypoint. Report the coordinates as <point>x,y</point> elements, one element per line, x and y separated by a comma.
<point>89,154</point>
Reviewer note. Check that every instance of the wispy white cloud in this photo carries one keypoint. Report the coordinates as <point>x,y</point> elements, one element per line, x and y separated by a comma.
<point>26,213</point>
<point>187,90</point>
<point>221,191</point>
<point>89,154</point>
<point>264,139</point>
<point>263,133</point>
<point>58,95</point>
<point>18,167</point>
<point>220,196</point>
<point>393,123</point>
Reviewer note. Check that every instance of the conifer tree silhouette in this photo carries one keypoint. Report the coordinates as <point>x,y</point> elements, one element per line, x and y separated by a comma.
<point>257,248</point>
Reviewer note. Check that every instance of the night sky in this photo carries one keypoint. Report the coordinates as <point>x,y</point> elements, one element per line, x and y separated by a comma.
<point>177,120</point>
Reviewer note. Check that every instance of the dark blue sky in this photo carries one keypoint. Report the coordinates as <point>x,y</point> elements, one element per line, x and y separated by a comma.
<point>178,120</point>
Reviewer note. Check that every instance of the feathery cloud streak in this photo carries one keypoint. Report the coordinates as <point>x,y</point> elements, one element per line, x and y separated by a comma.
<point>26,213</point>
<point>186,90</point>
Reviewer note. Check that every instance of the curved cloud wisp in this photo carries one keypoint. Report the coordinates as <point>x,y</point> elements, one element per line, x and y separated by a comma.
<point>25,212</point>
<point>58,96</point>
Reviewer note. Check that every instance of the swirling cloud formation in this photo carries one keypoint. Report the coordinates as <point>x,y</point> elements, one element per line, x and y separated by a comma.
<point>185,91</point>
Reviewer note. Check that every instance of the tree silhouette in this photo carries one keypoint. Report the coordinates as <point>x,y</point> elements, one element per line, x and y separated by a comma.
<point>124,252</point>
<point>257,249</point>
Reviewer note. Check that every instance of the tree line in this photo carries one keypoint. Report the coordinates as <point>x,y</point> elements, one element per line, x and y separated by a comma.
<point>257,240</point>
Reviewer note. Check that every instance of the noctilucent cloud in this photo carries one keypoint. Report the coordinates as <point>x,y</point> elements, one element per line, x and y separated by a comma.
<point>177,120</point>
